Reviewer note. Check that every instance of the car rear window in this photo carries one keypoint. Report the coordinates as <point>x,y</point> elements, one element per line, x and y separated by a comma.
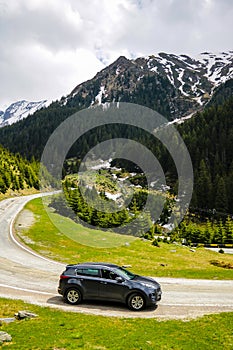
<point>69,272</point>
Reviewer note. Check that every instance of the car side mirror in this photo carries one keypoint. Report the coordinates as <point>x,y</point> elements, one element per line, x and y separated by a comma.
<point>119,279</point>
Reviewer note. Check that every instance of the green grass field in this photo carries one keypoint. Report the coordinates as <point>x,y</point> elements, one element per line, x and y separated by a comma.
<point>90,237</point>
<point>168,260</point>
<point>58,330</point>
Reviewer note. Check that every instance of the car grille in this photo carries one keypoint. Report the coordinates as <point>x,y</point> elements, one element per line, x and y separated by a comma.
<point>156,295</point>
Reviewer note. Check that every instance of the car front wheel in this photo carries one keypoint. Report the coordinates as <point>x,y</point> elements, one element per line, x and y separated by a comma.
<point>73,296</point>
<point>136,302</point>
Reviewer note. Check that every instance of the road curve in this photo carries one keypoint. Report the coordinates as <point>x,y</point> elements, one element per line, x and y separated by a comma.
<point>28,276</point>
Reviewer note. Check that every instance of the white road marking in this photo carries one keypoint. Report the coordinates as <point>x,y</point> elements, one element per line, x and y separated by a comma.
<point>26,290</point>
<point>22,246</point>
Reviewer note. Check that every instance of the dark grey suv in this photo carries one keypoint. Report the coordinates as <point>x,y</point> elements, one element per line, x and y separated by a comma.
<point>100,281</point>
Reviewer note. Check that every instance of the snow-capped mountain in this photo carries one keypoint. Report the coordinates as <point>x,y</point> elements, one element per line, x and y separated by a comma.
<point>175,85</point>
<point>20,110</point>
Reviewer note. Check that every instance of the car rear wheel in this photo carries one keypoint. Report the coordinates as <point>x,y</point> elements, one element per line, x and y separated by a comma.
<point>73,296</point>
<point>136,302</point>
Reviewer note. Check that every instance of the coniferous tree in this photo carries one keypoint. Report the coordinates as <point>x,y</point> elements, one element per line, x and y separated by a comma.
<point>203,186</point>
<point>229,231</point>
<point>221,202</point>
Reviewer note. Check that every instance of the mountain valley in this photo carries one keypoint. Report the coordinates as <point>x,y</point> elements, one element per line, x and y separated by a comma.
<point>175,86</point>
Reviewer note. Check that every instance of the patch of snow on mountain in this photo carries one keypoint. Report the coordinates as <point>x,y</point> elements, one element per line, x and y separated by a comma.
<point>196,89</point>
<point>98,97</point>
<point>181,73</point>
<point>1,117</point>
<point>114,197</point>
<point>118,71</point>
<point>199,100</point>
<point>163,61</point>
<point>149,63</point>
<point>215,64</point>
<point>230,74</point>
<point>106,106</point>
<point>102,165</point>
<point>181,120</point>
<point>154,69</point>
<point>170,76</point>
<point>141,77</point>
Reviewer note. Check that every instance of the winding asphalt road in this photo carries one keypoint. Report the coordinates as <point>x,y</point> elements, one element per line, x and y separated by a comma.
<point>33,278</point>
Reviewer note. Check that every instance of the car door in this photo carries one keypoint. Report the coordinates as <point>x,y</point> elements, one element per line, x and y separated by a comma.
<point>89,281</point>
<point>110,288</point>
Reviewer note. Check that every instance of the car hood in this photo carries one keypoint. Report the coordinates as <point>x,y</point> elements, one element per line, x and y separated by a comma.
<point>146,280</point>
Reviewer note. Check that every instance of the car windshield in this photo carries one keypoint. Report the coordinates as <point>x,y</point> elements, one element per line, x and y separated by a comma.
<point>124,273</point>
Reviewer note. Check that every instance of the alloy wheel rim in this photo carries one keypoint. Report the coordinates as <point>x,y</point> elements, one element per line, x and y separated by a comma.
<point>137,302</point>
<point>73,296</point>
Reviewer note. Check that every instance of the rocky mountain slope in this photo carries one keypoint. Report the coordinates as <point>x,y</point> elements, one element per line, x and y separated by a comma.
<point>19,110</point>
<point>173,85</point>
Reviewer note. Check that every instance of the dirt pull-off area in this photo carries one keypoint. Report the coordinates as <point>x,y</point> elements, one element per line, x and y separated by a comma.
<point>23,222</point>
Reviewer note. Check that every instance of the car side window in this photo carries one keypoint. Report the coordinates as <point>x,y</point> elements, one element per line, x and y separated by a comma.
<point>108,274</point>
<point>88,272</point>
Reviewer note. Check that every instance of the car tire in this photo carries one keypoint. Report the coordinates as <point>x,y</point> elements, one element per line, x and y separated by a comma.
<point>73,296</point>
<point>136,302</point>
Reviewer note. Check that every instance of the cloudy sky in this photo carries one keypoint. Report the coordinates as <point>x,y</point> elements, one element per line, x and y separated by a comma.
<point>47,47</point>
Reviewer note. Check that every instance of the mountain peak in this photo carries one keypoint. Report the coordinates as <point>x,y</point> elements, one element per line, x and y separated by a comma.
<point>121,59</point>
<point>182,82</point>
<point>19,110</point>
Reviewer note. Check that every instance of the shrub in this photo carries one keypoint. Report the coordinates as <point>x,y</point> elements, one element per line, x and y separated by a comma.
<point>155,243</point>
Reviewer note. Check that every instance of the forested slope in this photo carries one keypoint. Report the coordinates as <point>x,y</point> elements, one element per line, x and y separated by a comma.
<point>29,136</point>
<point>16,173</point>
<point>209,138</point>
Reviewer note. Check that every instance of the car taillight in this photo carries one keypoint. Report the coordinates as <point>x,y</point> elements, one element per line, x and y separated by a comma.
<point>63,277</point>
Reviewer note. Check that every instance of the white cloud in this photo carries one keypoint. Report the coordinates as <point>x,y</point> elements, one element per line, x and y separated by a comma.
<point>47,47</point>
